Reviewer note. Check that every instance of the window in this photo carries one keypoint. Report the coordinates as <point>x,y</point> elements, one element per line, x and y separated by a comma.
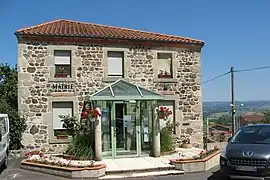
<point>61,108</point>
<point>62,62</point>
<point>170,105</point>
<point>115,63</point>
<point>164,65</point>
<point>3,126</point>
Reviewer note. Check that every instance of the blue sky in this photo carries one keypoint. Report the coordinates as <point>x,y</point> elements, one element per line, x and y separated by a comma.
<point>235,32</point>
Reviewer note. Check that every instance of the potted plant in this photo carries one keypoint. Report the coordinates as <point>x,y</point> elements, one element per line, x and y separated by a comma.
<point>186,143</point>
<point>61,72</point>
<point>164,112</point>
<point>164,74</point>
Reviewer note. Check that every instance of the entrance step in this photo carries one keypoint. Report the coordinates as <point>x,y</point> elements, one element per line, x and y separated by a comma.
<point>146,173</point>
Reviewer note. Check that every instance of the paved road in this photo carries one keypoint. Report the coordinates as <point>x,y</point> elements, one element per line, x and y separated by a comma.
<point>13,172</point>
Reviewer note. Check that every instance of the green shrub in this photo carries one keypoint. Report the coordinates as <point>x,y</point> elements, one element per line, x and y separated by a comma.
<point>9,104</point>
<point>166,142</point>
<point>81,147</point>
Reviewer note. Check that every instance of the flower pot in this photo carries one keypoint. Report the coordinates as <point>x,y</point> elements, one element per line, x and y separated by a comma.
<point>164,76</point>
<point>61,75</point>
<point>62,136</point>
<point>187,146</point>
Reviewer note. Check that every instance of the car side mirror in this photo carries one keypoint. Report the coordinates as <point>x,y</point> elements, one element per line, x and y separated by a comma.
<point>229,139</point>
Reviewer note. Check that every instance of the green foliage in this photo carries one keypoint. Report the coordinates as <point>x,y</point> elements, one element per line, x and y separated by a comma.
<point>266,119</point>
<point>81,147</point>
<point>9,104</point>
<point>166,142</point>
<point>71,124</point>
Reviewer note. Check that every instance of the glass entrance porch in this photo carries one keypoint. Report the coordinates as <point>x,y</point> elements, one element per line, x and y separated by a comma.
<point>126,121</point>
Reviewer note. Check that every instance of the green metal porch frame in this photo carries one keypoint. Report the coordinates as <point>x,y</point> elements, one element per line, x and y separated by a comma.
<point>122,90</point>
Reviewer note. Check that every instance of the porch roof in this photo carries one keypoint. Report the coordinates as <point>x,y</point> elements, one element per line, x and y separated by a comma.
<point>123,90</point>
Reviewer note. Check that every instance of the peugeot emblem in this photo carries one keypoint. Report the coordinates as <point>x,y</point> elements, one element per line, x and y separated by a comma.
<point>248,153</point>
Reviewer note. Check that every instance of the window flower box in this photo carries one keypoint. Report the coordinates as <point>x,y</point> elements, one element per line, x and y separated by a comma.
<point>62,136</point>
<point>61,75</point>
<point>164,76</point>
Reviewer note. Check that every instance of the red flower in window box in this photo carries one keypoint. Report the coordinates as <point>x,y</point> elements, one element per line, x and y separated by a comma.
<point>164,112</point>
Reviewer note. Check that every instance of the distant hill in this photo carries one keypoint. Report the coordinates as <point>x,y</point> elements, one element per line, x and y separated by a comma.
<point>219,108</point>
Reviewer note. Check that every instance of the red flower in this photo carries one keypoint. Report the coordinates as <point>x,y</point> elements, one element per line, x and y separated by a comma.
<point>88,109</point>
<point>84,114</point>
<point>96,112</point>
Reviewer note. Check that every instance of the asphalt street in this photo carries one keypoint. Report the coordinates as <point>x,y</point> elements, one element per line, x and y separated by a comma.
<point>13,172</point>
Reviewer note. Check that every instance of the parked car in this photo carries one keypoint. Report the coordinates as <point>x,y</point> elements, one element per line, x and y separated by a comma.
<point>247,154</point>
<point>4,140</point>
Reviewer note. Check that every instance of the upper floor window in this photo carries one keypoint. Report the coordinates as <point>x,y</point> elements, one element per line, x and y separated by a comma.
<point>164,65</point>
<point>62,62</point>
<point>115,62</point>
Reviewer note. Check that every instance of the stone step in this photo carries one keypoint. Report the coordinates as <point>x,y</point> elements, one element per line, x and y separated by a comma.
<point>146,173</point>
<point>138,169</point>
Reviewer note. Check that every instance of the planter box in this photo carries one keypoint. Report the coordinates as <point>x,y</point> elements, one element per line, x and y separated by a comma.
<point>70,172</point>
<point>62,136</point>
<point>164,76</point>
<point>199,165</point>
<point>61,75</point>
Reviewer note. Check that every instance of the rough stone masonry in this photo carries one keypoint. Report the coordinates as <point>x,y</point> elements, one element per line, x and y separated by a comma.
<point>37,89</point>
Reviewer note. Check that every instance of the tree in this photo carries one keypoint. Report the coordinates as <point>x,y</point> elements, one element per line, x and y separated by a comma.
<point>9,104</point>
<point>266,119</point>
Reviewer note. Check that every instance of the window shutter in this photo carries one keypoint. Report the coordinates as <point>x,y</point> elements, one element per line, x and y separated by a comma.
<point>115,63</point>
<point>165,64</point>
<point>62,57</point>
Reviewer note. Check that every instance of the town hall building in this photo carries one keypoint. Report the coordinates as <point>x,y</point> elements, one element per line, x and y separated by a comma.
<point>63,64</point>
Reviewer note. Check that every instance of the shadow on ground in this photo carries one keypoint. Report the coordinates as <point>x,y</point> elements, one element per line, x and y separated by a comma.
<point>217,175</point>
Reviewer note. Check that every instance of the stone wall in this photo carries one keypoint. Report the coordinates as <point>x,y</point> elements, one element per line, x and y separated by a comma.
<point>36,92</point>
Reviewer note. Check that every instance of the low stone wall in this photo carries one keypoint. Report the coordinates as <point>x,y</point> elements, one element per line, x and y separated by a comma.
<point>191,166</point>
<point>16,154</point>
<point>220,145</point>
<point>73,173</point>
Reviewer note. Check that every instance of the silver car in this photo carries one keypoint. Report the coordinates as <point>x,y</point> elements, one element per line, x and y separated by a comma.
<point>4,140</point>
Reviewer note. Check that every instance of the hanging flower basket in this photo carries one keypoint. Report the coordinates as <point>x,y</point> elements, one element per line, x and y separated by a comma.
<point>89,114</point>
<point>164,113</point>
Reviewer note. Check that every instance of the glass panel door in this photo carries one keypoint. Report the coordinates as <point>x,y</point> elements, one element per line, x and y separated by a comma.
<point>125,129</point>
<point>146,126</point>
<point>106,128</point>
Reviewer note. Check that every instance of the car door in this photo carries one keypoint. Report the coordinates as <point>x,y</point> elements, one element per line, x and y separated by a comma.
<point>3,143</point>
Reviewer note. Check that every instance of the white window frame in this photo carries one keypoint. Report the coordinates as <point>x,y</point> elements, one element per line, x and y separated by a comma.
<point>63,60</point>
<point>115,59</point>
<point>53,115</point>
<point>174,66</point>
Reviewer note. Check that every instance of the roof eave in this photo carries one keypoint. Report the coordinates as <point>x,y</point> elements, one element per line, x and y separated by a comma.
<point>201,43</point>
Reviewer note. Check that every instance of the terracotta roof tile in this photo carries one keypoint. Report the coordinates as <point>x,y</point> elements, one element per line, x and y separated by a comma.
<point>82,29</point>
<point>252,117</point>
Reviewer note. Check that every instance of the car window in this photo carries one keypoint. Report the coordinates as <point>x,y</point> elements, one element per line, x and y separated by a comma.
<point>254,134</point>
<point>3,127</point>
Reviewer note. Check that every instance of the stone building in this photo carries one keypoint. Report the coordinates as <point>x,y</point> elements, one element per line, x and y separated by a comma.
<point>127,73</point>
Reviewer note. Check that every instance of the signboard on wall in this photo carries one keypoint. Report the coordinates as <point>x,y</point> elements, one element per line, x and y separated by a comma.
<point>63,86</point>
